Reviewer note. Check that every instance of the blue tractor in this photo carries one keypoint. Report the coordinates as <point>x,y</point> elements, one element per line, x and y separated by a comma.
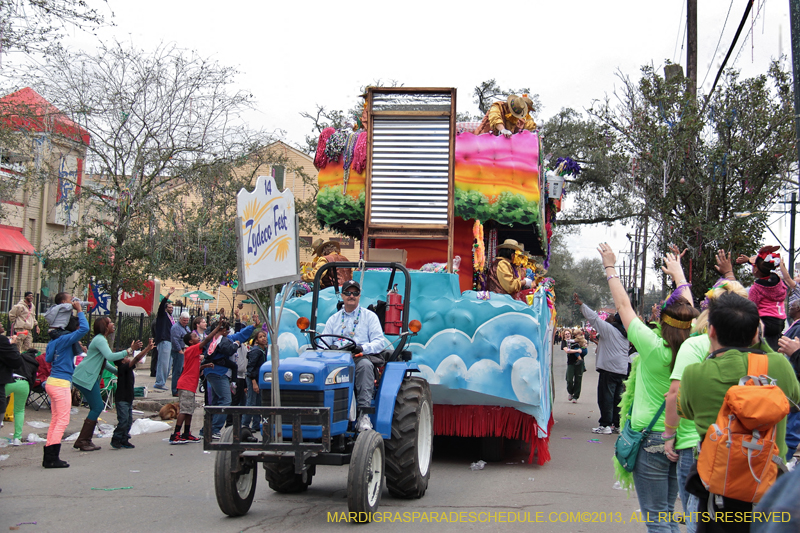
<point>317,420</point>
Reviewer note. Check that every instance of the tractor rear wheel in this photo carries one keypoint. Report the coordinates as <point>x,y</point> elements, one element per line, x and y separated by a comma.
<point>365,477</point>
<point>281,477</point>
<point>235,491</point>
<point>410,448</point>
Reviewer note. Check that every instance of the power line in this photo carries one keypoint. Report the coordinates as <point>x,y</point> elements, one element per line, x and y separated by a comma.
<point>681,22</point>
<point>730,51</point>
<point>711,63</point>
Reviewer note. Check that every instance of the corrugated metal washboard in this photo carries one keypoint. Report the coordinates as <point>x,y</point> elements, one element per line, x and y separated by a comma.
<point>410,163</point>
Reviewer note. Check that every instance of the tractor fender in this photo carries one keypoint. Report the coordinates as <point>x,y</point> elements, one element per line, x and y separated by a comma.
<point>393,375</point>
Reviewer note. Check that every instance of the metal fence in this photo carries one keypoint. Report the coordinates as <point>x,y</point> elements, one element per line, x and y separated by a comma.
<point>131,327</point>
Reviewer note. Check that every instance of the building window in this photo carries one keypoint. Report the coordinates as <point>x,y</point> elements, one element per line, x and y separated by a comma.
<point>6,274</point>
<point>277,173</point>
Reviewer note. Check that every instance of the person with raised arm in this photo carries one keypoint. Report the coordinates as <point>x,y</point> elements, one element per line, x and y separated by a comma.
<point>58,387</point>
<point>654,475</point>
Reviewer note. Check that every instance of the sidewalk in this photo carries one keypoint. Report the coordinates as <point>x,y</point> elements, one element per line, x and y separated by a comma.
<point>148,406</point>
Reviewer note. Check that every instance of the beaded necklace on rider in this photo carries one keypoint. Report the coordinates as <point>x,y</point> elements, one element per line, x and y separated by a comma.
<point>355,324</point>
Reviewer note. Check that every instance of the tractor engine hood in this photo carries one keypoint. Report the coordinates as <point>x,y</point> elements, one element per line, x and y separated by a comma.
<point>317,368</point>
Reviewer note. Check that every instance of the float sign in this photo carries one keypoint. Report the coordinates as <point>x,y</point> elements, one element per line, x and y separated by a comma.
<point>266,227</point>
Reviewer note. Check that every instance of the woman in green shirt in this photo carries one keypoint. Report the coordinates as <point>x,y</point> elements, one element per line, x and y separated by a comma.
<point>655,475</point>
<point>87,377</point>
<point>694,350</point>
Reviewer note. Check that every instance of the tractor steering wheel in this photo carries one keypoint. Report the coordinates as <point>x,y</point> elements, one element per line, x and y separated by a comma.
<point>351,343</point>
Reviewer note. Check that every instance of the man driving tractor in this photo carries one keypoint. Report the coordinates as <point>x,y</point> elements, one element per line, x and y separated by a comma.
<point>364,327</point>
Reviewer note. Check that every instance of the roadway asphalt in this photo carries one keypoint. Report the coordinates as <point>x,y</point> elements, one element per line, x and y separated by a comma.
<point>171,488</point>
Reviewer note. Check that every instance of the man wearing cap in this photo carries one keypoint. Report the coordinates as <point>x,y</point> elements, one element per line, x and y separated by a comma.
<point>328,252</point>
<point>23,322</point>
<point>503,278</point>
<point>363,327</point>
<point>505,118</point>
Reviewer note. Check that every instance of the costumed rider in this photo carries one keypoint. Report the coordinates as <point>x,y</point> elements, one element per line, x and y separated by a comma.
<point>503,278</point>
<point>506,118</point>
<point>328,252</point>
<point>364,327</point>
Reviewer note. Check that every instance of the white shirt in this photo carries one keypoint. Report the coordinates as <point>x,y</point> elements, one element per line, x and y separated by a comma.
<point>367,332</point>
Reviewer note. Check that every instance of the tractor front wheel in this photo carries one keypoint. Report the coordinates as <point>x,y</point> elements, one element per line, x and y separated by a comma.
<point>235,491</point>
<point>365,478</point>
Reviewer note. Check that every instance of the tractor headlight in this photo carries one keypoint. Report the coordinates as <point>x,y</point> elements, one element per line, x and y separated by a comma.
<point>306,378</point>
<point>339,375</point>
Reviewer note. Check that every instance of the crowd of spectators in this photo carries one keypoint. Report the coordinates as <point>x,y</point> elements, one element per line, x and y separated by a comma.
<point>673,374</point>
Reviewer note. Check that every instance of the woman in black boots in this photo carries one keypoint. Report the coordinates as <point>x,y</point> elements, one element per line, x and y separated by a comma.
<point>87,377</point>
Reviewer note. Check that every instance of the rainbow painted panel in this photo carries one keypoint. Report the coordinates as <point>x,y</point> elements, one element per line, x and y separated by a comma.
<point>493,165</point>
<point>495,179</point>
<point>333,176</point>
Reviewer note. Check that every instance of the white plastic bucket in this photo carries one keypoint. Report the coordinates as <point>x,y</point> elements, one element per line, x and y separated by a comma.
<point>555,184</point>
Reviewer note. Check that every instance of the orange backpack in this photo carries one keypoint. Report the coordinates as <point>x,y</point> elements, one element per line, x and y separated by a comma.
<point>739,457</point>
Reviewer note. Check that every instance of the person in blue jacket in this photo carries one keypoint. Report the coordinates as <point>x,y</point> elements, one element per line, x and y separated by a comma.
<point>59,354</point>
<point>221,351</point>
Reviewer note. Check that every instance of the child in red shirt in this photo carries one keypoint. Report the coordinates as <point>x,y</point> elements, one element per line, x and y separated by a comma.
<point>187,385</point>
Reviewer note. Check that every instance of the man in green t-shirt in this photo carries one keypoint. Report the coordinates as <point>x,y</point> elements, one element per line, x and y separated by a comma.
<point>732,329</point>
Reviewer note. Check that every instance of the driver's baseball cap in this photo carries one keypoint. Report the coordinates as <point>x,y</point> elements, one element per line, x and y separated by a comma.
<point>351,284</point>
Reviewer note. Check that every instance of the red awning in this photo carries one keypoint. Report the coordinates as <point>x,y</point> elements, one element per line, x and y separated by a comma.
<point>14,242</point>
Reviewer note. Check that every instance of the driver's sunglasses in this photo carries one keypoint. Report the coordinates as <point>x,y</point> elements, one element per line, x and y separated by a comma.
<point>351,293</point>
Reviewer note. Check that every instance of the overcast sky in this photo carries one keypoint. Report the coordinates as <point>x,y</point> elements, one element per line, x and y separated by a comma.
<point>295,54</point>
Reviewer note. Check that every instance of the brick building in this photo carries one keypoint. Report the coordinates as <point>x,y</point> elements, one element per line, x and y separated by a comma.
<point>42,156</point>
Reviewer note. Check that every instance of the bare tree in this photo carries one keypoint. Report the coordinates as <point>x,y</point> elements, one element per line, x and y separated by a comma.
<point>35,25</point>
<point>159,122</point>
<point>488,92</point>
<point>324,117</point>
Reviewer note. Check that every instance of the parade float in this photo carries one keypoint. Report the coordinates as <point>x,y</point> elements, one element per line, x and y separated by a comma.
<point>415,186</point>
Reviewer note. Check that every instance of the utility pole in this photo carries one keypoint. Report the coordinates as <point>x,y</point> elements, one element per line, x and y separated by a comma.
<point>634,259</point>
<point>691,45</point>
<point>791,233</point>
<point>622,276</point>
<point>794,21</point>
<point>644,266</point>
